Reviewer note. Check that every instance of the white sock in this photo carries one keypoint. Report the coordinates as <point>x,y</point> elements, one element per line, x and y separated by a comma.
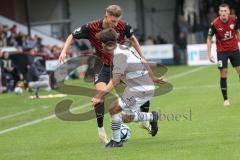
<point>142,116</point>
<point>116,126</point>
<point>101,129</point>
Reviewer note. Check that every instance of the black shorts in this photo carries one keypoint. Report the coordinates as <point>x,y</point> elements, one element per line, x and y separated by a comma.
<point>104,75</point>
<point>234,58</point>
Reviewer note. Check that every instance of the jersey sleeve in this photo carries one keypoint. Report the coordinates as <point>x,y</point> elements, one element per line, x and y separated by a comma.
<point>119,64</point>
<point>81,32</point>
<point>211,30</point>
<point>128,30</point>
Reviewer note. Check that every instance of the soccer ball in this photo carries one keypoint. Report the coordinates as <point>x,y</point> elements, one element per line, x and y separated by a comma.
<point>125,132</point>
<point>18,90</point>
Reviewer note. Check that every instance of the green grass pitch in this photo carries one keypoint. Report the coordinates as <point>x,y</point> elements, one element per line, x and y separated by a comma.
<point>29,130</point>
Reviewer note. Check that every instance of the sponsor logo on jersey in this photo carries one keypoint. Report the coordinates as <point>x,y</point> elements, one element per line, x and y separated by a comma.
<point>210,31</point>
<point>231,26</point>
<point>77,30</point>
<point>228,35</point>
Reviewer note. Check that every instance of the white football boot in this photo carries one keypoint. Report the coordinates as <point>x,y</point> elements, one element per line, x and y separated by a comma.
<point>102,135</point>
<point>226,103</point>
<point>146,125</point>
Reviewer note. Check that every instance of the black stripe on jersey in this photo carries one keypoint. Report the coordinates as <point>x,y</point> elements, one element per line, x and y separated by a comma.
<point>121,27</point>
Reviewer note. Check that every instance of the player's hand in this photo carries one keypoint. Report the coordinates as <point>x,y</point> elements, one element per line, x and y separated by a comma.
<point>96,100</point>
<point>211,59</point>
<point>62,57</point>
<point>160,80</point>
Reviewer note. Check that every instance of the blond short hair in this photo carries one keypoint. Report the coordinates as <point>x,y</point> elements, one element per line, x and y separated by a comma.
<point>114,10</point>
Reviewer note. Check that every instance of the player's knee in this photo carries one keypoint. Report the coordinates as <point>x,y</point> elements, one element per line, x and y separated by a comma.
<point>223,73</point>
<point>117,118</point>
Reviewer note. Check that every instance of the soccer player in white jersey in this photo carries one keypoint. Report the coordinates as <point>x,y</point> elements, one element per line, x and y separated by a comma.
<point>129,68</point>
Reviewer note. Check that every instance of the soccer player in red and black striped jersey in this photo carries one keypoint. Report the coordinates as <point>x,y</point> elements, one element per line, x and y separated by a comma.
<point>112,19</point>
<point>227,31</point>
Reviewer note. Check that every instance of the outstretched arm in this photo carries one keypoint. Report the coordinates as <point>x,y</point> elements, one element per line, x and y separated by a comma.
<point>79,33</point>
<point>67,44</point>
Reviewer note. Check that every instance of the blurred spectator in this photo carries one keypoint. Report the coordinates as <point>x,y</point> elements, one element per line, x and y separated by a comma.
<point>3,41</point>
<point>191,7</point>
<point>29,43</point>
<point>160,40</point>
<point>10,72</point>
<point>182,45</point>
<point>37,76</point>
<point>20,38</point>
<point>9,36</point>
<point>2,85</point>
<point>149,41</point>
<point>182,41</point>
<point>38,43</point>
<point>203,8</point>
<point>183,25</point>
<point>198,30</point>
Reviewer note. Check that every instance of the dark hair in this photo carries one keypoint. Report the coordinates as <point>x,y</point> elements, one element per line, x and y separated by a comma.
<point>107,35</point>
<point>224,5</point>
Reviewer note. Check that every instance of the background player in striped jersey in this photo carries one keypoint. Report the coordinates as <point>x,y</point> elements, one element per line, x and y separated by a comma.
<point>227,31</point>
<point>112,19</point>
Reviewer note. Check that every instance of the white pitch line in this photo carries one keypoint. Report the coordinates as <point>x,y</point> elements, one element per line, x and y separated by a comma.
<point>17,114</point>
<point>38,120</point>
<point>27,124</point>
<point>21,113</point>
<point>53,116</point>
<point>186,73</point>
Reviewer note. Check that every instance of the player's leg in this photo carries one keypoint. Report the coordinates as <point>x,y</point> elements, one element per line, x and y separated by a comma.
<point>99,110</point>
<point>222,66</point>
<point>145,108</point>
<point>151,118</point>
<point>116,121</point>
<point>101,81</point>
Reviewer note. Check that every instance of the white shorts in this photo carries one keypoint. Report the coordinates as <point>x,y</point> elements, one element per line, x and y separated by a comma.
<point>130,102</point>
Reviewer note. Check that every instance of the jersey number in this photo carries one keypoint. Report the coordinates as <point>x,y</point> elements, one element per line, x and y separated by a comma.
<point>227,35</point>
<point>220,64</point>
